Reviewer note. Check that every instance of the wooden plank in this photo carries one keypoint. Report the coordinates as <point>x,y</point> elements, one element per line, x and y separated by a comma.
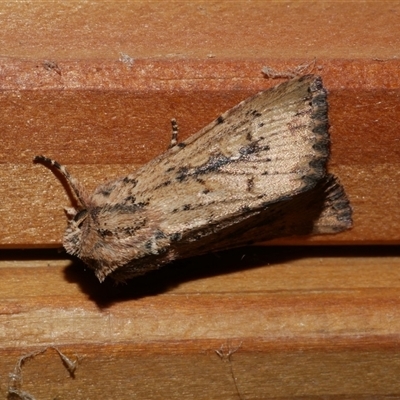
<point>299,322</point>
<point>91,132</point>
<point>200,29</point>
<point>67,93</point>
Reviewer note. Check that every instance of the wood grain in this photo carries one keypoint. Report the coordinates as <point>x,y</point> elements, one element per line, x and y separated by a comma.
<point>201,29</point>
<point>67,94</point>
<point>105,134</point>
<point>301,322</point>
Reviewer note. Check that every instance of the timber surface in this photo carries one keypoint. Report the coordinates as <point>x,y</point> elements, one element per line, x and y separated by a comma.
<point>300,322</point>
<point>65,93</point>
<point>303,322</point>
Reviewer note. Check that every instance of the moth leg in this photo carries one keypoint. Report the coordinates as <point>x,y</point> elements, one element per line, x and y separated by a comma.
<point>175,130</point>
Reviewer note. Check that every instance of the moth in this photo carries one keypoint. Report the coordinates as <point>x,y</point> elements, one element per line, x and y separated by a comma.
<point>257,172</point>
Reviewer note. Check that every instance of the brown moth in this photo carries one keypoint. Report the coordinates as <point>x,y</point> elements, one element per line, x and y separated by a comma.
<point>257,172</point>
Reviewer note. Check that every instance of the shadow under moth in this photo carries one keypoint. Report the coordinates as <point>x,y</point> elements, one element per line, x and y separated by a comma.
<point>256,173</point>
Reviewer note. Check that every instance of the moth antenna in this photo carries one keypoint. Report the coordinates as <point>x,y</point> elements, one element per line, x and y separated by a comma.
<point>174,136</point>
<point>73,182</point>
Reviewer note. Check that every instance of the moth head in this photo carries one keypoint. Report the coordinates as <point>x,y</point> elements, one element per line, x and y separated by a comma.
<point>73,234</point>
<point>108,237</point>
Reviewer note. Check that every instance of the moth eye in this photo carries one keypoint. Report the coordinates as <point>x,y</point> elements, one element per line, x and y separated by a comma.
<point>80,216</point>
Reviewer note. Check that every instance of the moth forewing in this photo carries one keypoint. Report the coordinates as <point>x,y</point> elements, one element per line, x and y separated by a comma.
<point>239,161</point>
<point>268,149</point>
